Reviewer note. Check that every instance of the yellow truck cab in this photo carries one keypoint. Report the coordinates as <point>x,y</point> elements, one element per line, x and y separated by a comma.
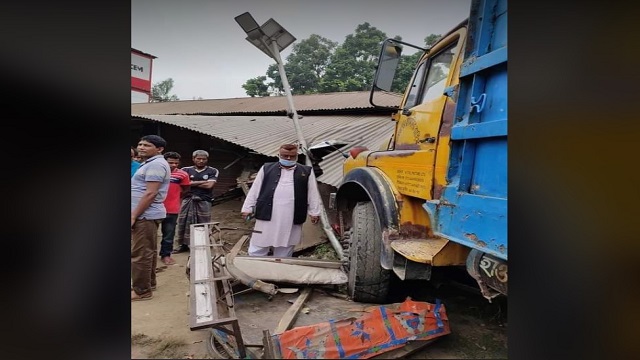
<point>389,202</point>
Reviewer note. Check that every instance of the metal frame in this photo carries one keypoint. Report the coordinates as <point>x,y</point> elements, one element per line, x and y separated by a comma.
<point>218,288</point>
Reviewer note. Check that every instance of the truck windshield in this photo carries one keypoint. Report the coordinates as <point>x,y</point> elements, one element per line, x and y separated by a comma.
<point>438,74</point>
<point>437,71</point>
<point>415,86</point>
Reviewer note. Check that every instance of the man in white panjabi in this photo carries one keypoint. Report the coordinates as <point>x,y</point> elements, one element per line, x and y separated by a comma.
<point>280,198</point>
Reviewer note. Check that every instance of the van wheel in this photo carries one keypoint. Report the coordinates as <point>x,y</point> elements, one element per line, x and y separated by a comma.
<point>368,281</point>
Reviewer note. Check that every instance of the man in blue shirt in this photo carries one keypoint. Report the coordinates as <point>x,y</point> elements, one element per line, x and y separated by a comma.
<point>149,187</point>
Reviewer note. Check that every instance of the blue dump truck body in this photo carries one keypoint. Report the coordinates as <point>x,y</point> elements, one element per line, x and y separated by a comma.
<point>472,210</point>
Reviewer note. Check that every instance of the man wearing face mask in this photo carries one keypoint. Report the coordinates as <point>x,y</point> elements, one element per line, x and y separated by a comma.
<point>280,198</point>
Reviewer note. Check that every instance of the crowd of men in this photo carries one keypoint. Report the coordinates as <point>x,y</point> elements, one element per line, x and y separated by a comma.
<point>173,198</point>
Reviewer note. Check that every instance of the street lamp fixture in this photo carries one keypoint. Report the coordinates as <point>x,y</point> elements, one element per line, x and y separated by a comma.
<point>271,38</point>
<point>247,22</point>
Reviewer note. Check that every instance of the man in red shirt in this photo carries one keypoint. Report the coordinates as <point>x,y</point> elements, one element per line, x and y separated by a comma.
<point>178,185</point>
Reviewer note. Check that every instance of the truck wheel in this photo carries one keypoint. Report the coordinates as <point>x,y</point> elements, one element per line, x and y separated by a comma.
<point>368,281</point>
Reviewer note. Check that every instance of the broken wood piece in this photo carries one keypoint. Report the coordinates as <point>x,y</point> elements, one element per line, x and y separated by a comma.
<point>243,180</point>
<point>291,313</point>
<point>269,349</point>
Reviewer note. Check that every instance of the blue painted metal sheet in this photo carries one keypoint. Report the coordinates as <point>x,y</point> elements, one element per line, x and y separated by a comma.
<point>472,210</point>
<point>489,176</point>
<point>474,65</point>
<point>480,130</point>
<point>476,221</point>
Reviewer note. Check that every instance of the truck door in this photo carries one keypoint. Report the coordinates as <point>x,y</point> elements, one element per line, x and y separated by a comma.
<point>420,119</point>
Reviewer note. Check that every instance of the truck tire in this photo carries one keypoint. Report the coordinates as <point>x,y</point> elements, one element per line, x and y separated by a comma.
<point>368,281</point>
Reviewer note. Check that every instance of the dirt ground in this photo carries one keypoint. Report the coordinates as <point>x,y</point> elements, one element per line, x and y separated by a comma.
<point>160,326</point>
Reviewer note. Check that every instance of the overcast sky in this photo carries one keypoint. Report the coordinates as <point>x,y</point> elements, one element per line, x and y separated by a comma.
<point>199,44</point>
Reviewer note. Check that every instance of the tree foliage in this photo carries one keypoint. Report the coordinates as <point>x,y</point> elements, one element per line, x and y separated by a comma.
<point>276,85</point>
<point>431,39</point>
<point>256,87</point>
<point>319,65</point>
<point>305,67</point>
<point>353,64</point>
<point>160,91</point>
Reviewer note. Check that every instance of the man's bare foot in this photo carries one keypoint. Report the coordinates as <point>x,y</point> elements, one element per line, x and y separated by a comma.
<point>136,297</point>
<point>167,260</point>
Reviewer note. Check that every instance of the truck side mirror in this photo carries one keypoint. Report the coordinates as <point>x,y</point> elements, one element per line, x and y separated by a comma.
<point>388,62</point>
<point>387,65</point>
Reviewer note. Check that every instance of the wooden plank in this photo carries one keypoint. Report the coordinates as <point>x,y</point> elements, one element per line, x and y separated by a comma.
<point>290,315</point>
<point>222,278</point>
<point>242,351</point>
<point>236,247</point>
<point>242,180</point>
<point>268,345</point>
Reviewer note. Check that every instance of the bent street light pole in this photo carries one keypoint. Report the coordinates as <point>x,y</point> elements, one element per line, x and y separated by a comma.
<point>324,219</point>
<point>269,46</point>
<point>287,91</point>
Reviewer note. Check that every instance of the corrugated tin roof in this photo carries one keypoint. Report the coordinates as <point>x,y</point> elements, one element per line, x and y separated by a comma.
<point>265,134</point>
<point>270,104</point>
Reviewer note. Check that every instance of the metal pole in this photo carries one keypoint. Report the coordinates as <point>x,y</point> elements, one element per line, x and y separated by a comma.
<point>287,91</point>
<point>324,219</point>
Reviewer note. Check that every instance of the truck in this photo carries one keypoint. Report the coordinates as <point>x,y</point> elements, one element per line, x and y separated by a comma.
<point>435,196</point>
